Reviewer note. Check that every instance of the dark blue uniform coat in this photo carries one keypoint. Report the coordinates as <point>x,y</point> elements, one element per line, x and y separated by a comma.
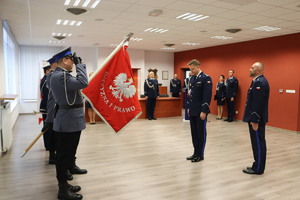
<point>152,92</point>
<point>231,90</point>
<point>200,92</point>
<point>175,87</point>
<point>256,111</point>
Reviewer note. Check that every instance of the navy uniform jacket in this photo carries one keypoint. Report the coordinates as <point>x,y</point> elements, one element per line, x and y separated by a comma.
<point>200,94</point>
<point>50,102</point>
<point>231,87</point>
<point>68,120</point>
<point>256,109</point>
<point>44,94</point>
<point>221,89</point>
<point>151,88</point>
<point>175,86</point>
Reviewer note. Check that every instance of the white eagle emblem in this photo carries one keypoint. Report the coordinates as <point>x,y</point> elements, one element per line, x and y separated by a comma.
<point>123,87</point>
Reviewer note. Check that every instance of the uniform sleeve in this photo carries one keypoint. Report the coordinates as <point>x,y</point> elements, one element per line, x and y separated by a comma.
<point>145,88</point>
<point>171,88</point>
<point>258,100</point>
<point>157,89</point>
<point>235,87</point>
<point>207,92</point>
<point>78,82</point>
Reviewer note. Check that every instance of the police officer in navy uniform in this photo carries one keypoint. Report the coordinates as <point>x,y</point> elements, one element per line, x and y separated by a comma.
<point>256,115</point>
<point>231,90</point>
<point>48,142</point>
<point>151,92</point>
<point>69,119</point>
<point>175,86</point>
<point>220,96</point>
<point>200,92</point>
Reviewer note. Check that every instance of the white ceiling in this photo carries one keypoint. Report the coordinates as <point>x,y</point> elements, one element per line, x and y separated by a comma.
<point>33,21</point>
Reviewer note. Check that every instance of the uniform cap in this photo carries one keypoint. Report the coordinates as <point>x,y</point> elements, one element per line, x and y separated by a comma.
<point>51,60</point>
<point>46,67</point>
<point>63,53</point>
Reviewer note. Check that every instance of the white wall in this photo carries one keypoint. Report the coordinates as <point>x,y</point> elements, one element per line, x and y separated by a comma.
<point>162,61</point>
<point>89,57</point>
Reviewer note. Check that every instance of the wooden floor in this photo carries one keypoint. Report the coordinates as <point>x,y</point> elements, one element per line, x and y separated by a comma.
<point>147,162</point>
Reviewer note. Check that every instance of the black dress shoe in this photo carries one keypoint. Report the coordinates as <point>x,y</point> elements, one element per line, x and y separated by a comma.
<point>75,188</point>
<point>251,171</point>
<point>68,195</point>
<point>153,118</point>
<point>149,118</point>
<point>197,159</point>
<point>190,157</point>
<point>69,177</point>
<point>230,120</point>
<point>226,119</point>
<point>77,170</point>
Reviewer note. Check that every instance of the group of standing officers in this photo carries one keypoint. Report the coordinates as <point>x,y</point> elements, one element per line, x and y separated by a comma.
<point>64,118</point>
<point>199,92</point>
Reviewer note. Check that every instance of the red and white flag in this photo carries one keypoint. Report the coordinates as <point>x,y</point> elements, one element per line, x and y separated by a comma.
<point>112,94</point>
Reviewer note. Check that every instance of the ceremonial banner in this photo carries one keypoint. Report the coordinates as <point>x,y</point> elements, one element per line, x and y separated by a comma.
<point>111,92</point>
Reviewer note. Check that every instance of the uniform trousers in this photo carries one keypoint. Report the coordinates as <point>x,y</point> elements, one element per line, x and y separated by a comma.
<point>48,136</point>
<point>259,147</point>
<point>150,106</point>
<point>230,108</point>
<point>198,131</point>
<point>175,94</point>
<point>66,147</point>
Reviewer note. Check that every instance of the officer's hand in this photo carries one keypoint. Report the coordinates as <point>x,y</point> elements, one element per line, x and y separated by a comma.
<point>254,126</point>
<point>46,126</point>
<point>232,99</point>
<point>202,115</point>
<point>76,60</point>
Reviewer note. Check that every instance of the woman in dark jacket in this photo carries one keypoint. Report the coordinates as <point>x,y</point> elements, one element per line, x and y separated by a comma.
<point>220,96</point>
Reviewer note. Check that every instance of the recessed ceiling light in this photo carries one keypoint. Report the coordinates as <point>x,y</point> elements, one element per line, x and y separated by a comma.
<point>267,28</point>
<point>221,37</point>
<point>233,30</point>
<point>156,30</point>
<point>76,11</point>
<point>192,17</point>
<point>113,45</point>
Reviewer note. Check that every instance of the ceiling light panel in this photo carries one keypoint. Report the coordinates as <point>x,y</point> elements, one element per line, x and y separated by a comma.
<point>68,22</point>
<point>191,43</point>
<point>267,28</point>
<point>64,34</point>
<point>192,17</point>
<point>156,30</point>
<point>221,37</point>
<point>82,3</point>
<point>136,39</point>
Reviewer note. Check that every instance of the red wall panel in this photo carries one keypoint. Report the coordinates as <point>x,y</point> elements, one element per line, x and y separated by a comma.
<point>281,57</point>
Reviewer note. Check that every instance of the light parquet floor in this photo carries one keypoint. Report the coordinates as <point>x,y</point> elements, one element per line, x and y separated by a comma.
<point>147,161</point>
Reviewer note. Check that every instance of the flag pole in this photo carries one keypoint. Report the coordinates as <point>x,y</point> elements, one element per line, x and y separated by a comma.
<point>127,38</point>
<point>33,142</point>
